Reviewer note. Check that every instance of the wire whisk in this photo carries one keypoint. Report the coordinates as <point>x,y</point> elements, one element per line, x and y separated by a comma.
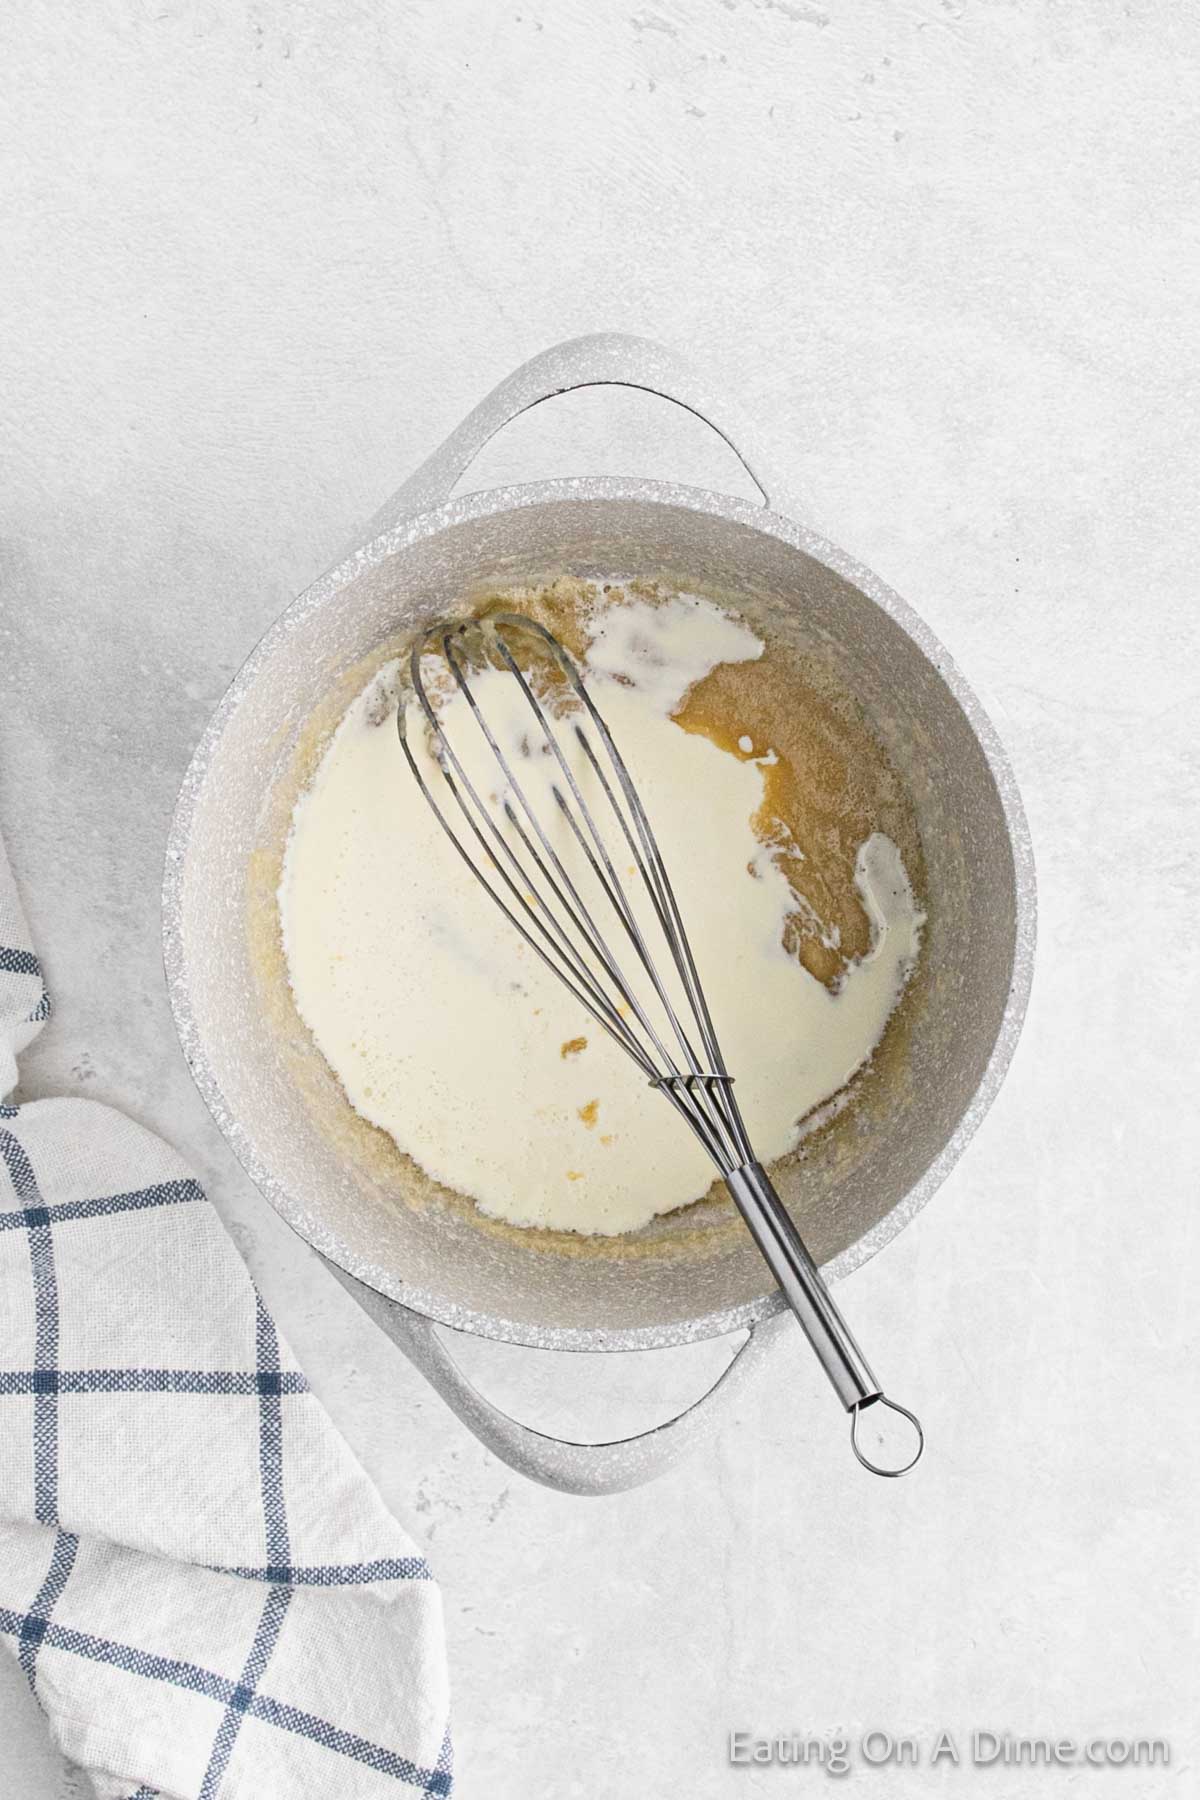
<point>538,802</point>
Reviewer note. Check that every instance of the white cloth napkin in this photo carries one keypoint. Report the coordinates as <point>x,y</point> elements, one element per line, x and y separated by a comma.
<point>204,1590</point>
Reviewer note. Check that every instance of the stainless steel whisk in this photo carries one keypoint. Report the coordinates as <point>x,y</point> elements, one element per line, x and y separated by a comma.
<point>525,873</point>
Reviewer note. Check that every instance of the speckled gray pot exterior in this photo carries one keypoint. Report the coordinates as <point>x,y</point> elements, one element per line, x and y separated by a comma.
<point>422,553</point>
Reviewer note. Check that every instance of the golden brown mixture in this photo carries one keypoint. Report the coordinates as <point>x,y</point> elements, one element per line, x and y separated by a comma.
<point>829,787</point>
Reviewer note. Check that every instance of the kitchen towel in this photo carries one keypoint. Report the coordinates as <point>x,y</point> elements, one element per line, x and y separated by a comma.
<point>205,1592</point>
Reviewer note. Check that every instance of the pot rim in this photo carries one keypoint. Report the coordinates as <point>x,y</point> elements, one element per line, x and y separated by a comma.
<point>486,503</point>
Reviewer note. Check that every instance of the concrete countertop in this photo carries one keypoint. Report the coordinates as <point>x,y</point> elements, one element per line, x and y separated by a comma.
<point>260,258</point>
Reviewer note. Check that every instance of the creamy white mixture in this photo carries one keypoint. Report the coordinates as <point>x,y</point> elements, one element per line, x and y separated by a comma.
<point>447,1031</point>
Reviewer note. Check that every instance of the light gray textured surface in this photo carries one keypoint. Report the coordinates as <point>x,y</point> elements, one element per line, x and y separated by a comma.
<point>260,259</point>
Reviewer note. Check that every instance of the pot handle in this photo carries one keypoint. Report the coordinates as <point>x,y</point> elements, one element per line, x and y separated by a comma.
<point>607,358</point>
<point>572,1468</point>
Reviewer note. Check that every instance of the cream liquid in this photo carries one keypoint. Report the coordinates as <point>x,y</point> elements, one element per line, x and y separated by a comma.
<point>446,1030</point>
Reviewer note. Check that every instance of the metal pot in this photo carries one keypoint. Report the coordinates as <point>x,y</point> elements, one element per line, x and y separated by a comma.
<point>413,1261</point>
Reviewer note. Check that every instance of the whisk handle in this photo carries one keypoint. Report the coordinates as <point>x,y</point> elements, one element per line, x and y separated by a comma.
<point>802,1285</point>
<point>804,1289</point>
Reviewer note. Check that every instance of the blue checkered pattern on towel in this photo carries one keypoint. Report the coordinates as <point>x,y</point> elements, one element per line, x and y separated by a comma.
<point>199,1582</point>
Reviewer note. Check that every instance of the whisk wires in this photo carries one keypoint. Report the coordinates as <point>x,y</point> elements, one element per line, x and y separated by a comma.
<point>504,834</point>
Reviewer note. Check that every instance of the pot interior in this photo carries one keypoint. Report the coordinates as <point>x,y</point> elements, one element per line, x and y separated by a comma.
<point>345,1186</point>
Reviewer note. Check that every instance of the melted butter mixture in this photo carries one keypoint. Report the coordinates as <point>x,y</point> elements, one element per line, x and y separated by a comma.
<point>786,837</point>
